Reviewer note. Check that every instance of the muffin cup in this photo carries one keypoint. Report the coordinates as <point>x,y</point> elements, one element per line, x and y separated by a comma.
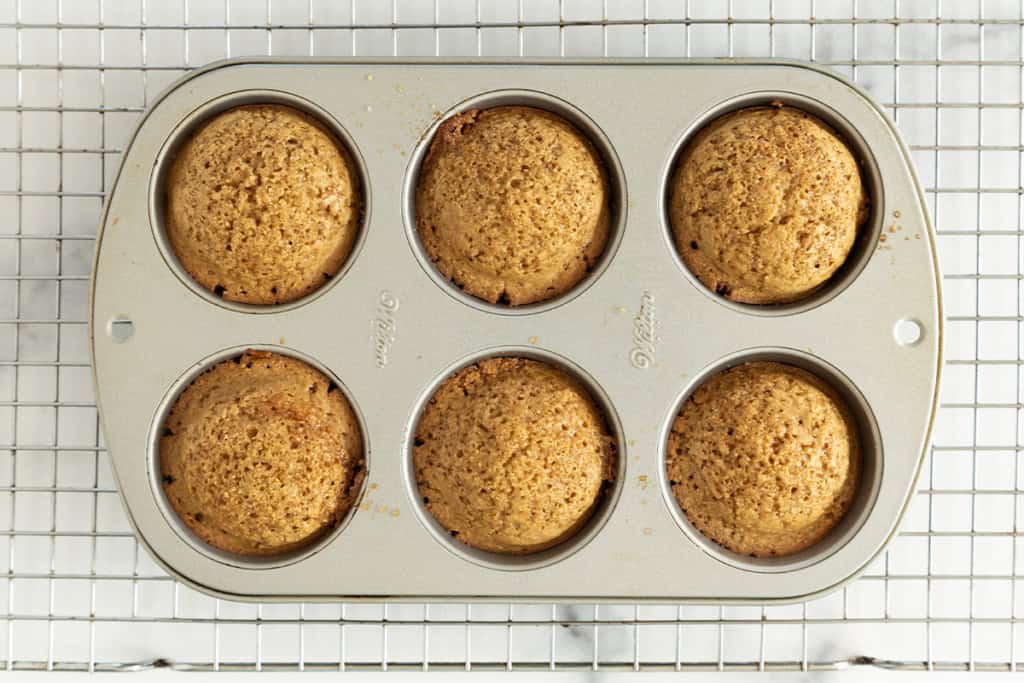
<point>587,127</point>
<point>872,459</point>
<point>867,234</point>
<point>604,505</point>
<point>172,517</point>
<point>184,131</point>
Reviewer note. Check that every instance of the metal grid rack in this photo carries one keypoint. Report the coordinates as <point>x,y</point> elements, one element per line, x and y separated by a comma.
<point>78,593</point>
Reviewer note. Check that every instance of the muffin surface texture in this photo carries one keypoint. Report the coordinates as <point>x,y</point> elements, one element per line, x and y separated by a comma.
<point>512,455</point>
<point>261,455</point>
<point>263,204</point>
<point>764,459</point>
<point>512,204</point>
<point>765,204</point>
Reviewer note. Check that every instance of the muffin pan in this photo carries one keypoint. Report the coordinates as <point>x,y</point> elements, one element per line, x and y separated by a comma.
<point>640,331</point>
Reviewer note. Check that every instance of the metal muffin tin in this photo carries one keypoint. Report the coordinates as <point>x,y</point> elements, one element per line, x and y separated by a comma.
<point>640,331</point>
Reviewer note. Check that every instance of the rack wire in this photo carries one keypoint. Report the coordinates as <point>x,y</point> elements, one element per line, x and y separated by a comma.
<point>78,593</point>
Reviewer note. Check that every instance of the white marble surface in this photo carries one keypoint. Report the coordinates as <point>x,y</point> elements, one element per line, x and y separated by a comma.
<point>77,598</point>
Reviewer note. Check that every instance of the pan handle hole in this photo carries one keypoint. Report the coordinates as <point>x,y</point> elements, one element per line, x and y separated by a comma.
<point>120,329</point>
<point>907,332</point>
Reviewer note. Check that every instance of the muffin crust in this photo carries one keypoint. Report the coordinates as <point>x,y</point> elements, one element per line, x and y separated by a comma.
<point>261,455</point>
<point>263,204</point>
<point>512,204</point>
<point>511,455</point>
<point>764,459</point>
<point>765,205</point>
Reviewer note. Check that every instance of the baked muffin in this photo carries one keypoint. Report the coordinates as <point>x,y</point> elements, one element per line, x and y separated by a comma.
<point>512,204</point>
<point>263,204</point>
<point>261,455</point>
<point>765,204</point>
<point>512,455</point>
<point>764,459</point>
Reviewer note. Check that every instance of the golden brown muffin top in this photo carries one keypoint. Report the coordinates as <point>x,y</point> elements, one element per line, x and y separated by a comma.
<point>261,455</point>
<point>511,455</point>
<point>263,204</point>
<point>512,204</point>
<point>764,459</point>
<point>765,204</point>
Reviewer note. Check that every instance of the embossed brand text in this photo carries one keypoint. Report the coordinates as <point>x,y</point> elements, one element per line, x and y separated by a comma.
<point>644,333</point>
<point>384,326</point>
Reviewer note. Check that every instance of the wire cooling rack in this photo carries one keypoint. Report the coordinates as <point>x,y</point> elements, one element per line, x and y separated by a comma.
<point>79,594</point>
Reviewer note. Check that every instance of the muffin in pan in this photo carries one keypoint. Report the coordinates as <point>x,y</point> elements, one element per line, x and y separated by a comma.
<point>512,455</point>
<point>764,459</point>
<point>512,204</point>
<point>261,455</point>
<point>765,204</point>
<point>263,204</point>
